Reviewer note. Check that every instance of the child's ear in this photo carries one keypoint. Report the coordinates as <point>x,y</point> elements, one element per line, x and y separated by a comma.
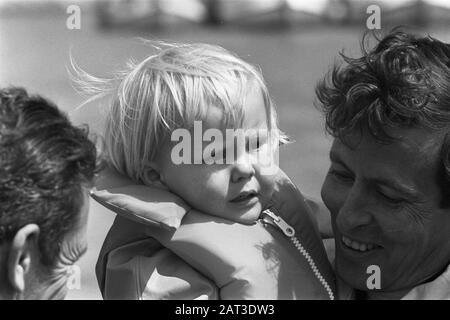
<point>151,174</point>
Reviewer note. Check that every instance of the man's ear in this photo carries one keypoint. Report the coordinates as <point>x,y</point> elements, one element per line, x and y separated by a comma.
<point>20,253</point>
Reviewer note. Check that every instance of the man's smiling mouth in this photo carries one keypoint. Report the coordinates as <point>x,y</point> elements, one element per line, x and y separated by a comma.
<point>357,245</point>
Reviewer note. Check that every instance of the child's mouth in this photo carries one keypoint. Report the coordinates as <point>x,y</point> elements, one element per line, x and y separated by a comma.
<point>245,196</point>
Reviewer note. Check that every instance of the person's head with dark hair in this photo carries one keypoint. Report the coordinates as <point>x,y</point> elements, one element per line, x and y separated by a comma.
<point>388,187</point>
<point>46,169</point>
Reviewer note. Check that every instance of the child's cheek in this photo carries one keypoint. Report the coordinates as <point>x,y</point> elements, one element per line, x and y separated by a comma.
<point>213,179</point>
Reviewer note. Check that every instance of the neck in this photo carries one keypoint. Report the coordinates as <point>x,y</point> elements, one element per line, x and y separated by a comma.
<point>393,295</point>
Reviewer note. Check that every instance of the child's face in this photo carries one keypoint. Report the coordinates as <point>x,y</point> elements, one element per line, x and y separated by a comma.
<point>236,191</point>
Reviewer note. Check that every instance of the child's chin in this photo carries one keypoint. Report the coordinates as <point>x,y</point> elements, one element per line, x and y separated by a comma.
<point>250,216</point>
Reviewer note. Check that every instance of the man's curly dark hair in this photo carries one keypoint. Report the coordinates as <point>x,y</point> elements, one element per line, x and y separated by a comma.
<point>404,81</point>
<point>45,163</point>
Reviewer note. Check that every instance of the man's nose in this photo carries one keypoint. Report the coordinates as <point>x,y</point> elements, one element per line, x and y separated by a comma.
<point>355,212</point>
<point>243,168</point>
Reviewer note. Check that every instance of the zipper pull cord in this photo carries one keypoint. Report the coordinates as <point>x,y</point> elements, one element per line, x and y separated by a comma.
<point>290,233</point>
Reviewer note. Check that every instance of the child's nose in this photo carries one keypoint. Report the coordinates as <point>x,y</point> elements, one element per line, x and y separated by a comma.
<point>243,169</point>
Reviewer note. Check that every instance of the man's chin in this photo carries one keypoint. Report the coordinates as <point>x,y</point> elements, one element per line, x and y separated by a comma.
<point>353,274</point>
<point>355,279</point>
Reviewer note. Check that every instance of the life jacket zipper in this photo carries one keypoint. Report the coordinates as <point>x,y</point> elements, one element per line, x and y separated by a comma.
<point>290,233</point>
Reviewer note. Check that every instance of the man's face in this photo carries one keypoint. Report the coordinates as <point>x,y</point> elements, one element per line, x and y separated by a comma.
<point>385,203</point>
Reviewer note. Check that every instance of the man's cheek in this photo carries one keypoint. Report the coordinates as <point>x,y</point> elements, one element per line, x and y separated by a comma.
<point>331,197</point>
<point>401,227</point>
<point>403,234</point>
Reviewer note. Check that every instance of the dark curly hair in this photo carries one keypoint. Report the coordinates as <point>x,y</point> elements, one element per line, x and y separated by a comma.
<point>44,164</point>
<point>404,81</point>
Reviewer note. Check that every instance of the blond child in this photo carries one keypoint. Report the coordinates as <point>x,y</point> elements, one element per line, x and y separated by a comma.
<point>203,214</point>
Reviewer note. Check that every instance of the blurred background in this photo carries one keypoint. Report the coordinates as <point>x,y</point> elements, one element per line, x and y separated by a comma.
<point>293,41</point>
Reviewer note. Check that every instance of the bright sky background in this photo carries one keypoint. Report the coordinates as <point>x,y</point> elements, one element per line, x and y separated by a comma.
<point>307,5</point>
<point>194,9</point>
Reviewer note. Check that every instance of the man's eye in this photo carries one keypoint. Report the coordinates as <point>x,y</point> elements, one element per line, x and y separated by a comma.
<point>342,175</point>
<point>390,199</point>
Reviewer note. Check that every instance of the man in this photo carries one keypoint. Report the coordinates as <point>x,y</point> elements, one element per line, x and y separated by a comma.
<point>46,168</point>
<point>388,187</point>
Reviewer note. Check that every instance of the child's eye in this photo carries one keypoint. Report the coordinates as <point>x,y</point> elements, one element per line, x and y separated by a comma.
<point>223,153</point>
<point>256,144</point>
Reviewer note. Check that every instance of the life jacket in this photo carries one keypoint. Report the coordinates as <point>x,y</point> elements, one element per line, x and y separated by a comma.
<point>159,248</point>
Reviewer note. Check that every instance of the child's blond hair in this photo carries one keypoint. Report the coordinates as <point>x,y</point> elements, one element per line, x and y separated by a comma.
<point>171,90</point>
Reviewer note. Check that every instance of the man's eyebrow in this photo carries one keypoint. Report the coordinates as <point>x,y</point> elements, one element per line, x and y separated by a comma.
<point>334,157</point>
